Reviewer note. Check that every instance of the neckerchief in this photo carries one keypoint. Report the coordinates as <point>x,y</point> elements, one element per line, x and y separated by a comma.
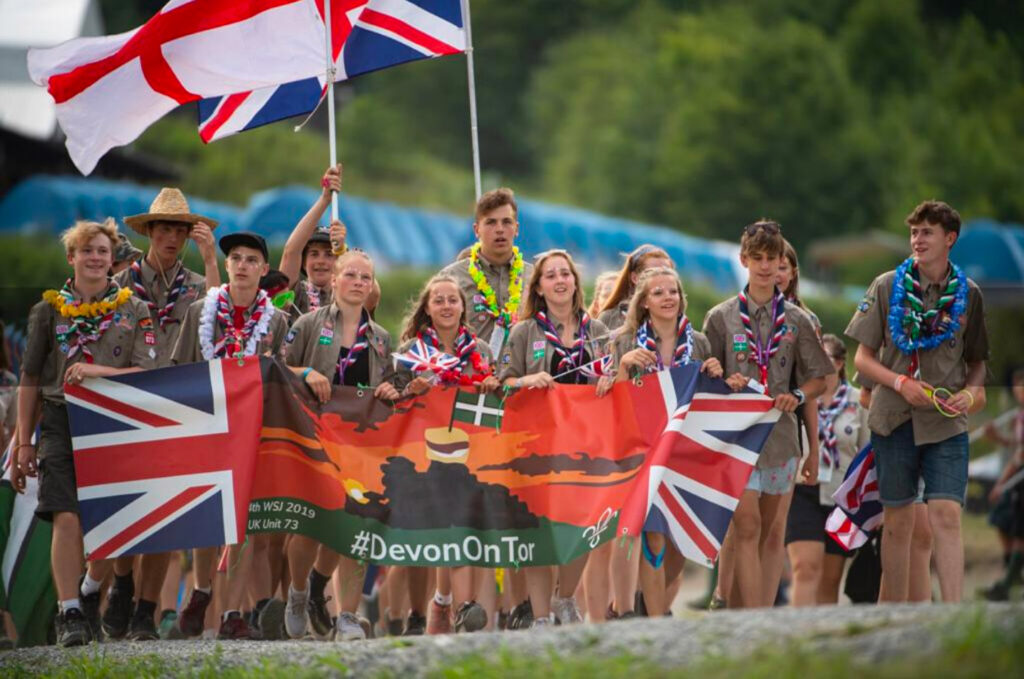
<point>358,346</point>
<point>163,314</point>
<point>313,294</point>
<point>827,425</point>
<point>568,357</point>
<point>86,329</point>
<point>914,328</point>
<point>234,342</point>
<point>683,354</point>
<point>465,351</point>
<point>762,352</point>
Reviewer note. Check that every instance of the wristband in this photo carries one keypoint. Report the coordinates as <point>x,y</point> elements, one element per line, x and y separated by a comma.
<point>898,383</point>
<point>32,445</point>
<point>970,396</point>
<point>799,396</point>
<point>305,373</point>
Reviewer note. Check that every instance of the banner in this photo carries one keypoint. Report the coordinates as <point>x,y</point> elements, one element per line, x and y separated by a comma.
<point>452,477</point>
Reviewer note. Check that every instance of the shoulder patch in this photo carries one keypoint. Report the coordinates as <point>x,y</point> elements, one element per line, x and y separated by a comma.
<point>866,303</point>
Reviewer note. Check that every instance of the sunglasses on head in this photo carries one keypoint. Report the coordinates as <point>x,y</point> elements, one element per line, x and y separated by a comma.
<point>771,228</point>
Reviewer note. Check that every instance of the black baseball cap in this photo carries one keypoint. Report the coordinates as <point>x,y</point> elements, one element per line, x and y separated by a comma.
<point>247,238</point>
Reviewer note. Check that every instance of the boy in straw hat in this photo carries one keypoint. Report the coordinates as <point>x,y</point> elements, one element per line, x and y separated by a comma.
<point>161,281</point>
<point>311,250</point>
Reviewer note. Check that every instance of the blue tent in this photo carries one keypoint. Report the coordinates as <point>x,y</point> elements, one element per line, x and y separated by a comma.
<point>393,235</point>
<point>991,253</point>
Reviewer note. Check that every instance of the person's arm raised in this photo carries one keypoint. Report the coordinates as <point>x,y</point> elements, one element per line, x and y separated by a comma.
<point>291,256</point>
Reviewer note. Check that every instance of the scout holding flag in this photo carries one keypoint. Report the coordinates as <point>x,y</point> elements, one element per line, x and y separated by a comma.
<point>91,327</point>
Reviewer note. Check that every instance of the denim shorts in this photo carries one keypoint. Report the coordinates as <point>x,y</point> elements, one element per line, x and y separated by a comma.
<point>774,480</point>
<point>902,465</point>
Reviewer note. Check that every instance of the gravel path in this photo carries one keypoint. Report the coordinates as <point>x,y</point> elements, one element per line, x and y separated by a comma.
<point>871,632</point>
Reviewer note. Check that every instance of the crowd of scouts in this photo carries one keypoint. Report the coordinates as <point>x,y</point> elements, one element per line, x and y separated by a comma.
<point>518,324</point>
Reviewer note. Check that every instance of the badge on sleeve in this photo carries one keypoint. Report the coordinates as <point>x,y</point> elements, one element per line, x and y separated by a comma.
<point>290,337</point>
<point>866,303</point>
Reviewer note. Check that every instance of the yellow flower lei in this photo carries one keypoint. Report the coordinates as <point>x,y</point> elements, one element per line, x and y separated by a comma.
<point>507,315</point>
<point>73,310</point>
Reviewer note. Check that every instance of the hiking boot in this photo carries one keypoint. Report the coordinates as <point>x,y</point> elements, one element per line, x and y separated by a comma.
<point>168,627</point>
<point>270,620</point>
<point>521,616</point>
<point>349,628</point>
<point>439,618</point>
<point>997,592</point>
<point>72,628</point>
<point>142,627</point>
<point>295,614</point>
<point>415,626</point>
<point>234,628</point>
<point>565,611</point>
<point>119,612</point>
<point>471,617</point>
<point>193,617</point>
<point>91,611</point>
<point>320,623</point>
<point>395,627</point>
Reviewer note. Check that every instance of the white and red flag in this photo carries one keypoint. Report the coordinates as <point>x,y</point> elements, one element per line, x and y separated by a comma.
<point>108,90</point>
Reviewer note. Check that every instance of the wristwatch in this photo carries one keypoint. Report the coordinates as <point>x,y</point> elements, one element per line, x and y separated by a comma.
<point>799,396</point>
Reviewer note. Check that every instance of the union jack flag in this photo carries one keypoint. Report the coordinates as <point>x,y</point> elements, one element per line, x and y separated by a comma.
<point>164,458</point>
<point>367,35</point>
<point>858,511</point>
<point>601,367</point>
<point>702,461</point>
<point>422,357</point>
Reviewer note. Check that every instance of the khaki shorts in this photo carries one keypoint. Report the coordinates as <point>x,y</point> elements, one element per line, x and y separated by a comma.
<point>58,491</point>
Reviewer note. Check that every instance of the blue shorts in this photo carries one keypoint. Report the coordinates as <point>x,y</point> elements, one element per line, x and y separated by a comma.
<point>901,465</point>
<point>773,480</point>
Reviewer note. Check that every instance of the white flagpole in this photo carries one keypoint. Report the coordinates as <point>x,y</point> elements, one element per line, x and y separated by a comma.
<point>472,98</point>
<point>331,71</point>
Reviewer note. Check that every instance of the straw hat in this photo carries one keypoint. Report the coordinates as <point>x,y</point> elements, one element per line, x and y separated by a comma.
<point>168,206</point>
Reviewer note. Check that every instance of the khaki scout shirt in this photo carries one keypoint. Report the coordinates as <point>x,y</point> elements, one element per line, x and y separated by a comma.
<point>315,342</point>
<point>478,315</point>
<point>614,319</point>
<point>122,345</point>
<point>852,434</point>
<point>194,287</point>
<point>528,352</point>
<point>626,343</point>
<point>943,366</point>
<point>403,375</point>
<point>188,350</point>
<point>800,354</point>
<point>301,303</point>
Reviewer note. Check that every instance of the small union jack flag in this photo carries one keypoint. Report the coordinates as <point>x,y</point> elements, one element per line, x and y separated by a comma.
<point>601,367</point>
<point>858,511</point>
<point>702,461</point>
<point>422,357</point>
<point>164,458</point>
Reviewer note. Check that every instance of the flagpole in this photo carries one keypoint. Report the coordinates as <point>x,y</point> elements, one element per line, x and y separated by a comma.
<point>331,72</point>
<point>474,133</point>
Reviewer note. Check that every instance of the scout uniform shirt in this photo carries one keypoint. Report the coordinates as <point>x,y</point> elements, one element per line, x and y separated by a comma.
<point>800,353</point>
<point>315,342</point>
<point>188,350</point>
<point>301,303</point>
<point>193,288</point>
<point>623,344</point>
<point>528,352</point>
<point>614,319</point>
<point>125,344</point>
<point>403,375</point>
<point>943,366</point>
<point>478,315</point>
<point>852,434</point>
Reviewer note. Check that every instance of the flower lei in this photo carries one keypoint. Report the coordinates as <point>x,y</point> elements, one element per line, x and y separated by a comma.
<point>827,425</point>
<point>313,294</point>
<point>88,320</point>
<point>164,314</point>
<point>568,357</point>
<point>914,328</point>
<point>234,342</point>
<point>360,343</point>
<point>507,315</point>
<point>465,351</point>
<point>645,339</point>
<point>761,353</point>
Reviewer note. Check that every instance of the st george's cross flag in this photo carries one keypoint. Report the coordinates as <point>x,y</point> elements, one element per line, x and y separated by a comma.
<point>368,35</point>
<point>858,511</point>
<point>702,461</point>
<point>164,458</point>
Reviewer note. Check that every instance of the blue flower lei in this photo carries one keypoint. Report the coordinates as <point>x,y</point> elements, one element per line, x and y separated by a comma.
<point>898,312</point>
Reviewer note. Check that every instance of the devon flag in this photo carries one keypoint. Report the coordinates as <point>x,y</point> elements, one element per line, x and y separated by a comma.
<point>482,410</point>
<point>27,593</point>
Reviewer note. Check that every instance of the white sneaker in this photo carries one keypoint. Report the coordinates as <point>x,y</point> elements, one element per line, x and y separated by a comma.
<point>295,613</point>
<point>349,628</point>
<point>565,611</point>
